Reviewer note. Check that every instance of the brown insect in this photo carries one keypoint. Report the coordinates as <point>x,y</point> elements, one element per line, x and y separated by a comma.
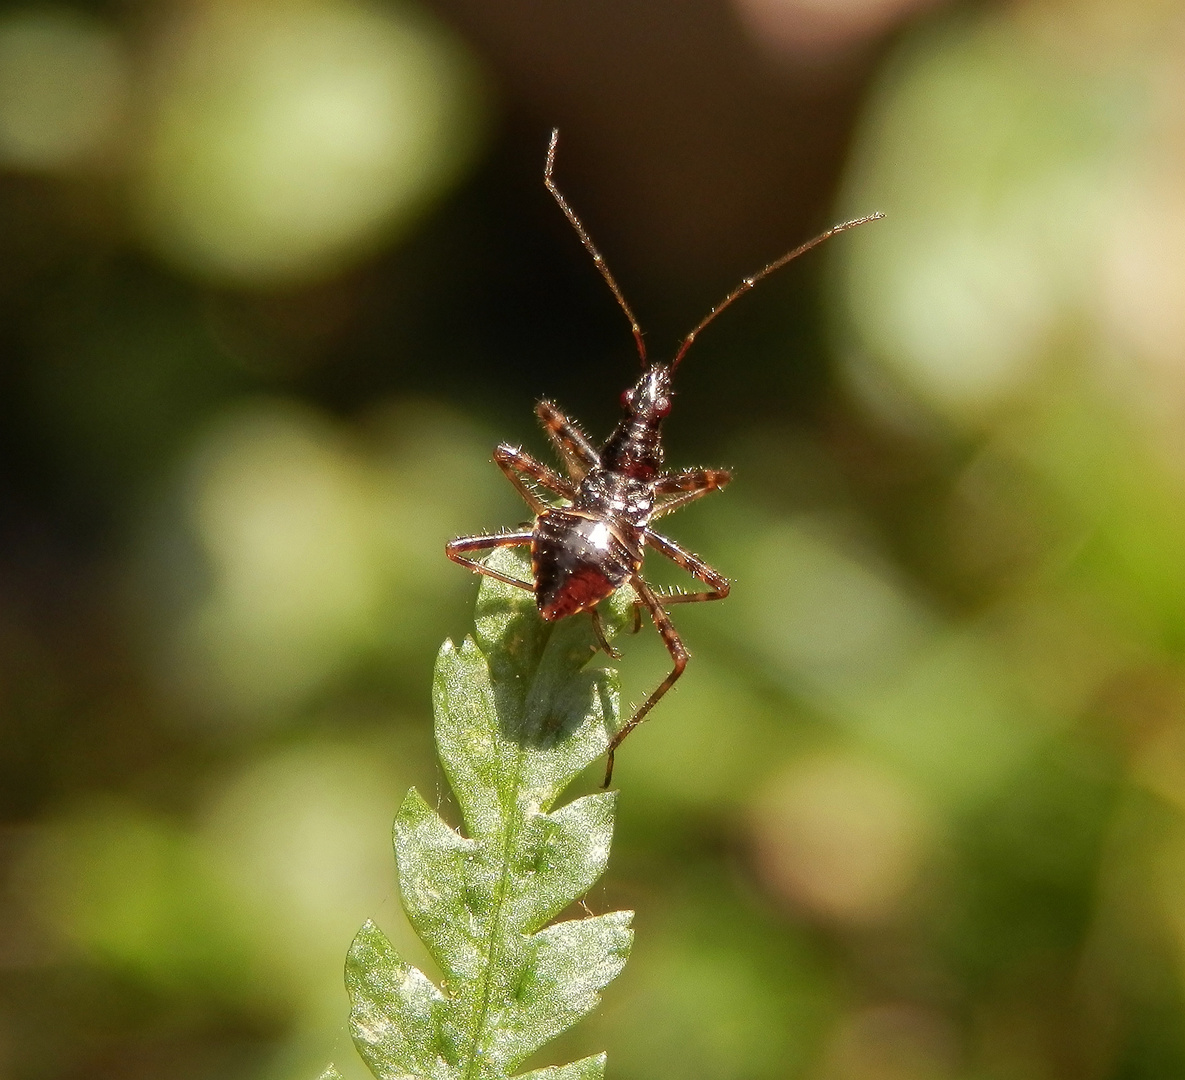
<point>582,552</point>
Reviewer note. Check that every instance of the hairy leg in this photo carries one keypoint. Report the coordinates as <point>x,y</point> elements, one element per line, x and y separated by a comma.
<point>678,489</point>
<point>516,464</point>
<point>679,654</point>
<point>578,454</point>
<point>458,549</point>
<point>717,583</point>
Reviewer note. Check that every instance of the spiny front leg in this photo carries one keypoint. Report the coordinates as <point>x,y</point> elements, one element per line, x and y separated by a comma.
<point>679,654</point>
<point>695,566</point>
<point>455,550</point>
<point>578,454</point>
<point>683,487</point>
<point>517,463</point>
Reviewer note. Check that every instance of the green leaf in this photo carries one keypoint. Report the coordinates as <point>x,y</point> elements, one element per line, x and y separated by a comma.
<point>519,714</point>
<point>592,1068</point>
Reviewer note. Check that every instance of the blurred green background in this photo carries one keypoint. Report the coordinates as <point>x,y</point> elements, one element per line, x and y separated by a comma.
<point>275,275</point>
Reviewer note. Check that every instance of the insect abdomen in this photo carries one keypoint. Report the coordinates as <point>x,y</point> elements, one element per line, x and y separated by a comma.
<point>577,561</point>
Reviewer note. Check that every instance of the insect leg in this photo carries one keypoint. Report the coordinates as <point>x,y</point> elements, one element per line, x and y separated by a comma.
<point>599,631</point>
<point>516,464</point>
<point>695,566</point>
<point>572,444</point>
<point>455,550</point>
<point>679,654</point>
<point>682,488</point>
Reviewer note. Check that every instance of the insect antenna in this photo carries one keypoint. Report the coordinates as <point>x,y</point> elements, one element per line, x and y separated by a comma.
<point>589,246</point>
<point>749,282</point>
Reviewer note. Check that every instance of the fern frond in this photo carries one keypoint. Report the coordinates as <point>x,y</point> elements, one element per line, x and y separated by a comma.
<point>518,715</point>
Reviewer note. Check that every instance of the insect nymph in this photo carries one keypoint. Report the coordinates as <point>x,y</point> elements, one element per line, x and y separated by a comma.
<point>585,549</point>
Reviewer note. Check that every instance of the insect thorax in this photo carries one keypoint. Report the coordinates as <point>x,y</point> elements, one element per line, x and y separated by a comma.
<point>616,497</point>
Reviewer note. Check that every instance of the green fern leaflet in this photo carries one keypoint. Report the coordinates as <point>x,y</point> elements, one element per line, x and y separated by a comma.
<point>518,715</point>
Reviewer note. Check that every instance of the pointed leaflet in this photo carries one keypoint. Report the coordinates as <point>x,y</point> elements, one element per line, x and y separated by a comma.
<point>518,715</point>
<point>397,1013</point>
<point>592,1068</point>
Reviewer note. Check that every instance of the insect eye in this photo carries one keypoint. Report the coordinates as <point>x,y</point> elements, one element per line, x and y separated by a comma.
<point>662,407</point>
<point>627,398</point>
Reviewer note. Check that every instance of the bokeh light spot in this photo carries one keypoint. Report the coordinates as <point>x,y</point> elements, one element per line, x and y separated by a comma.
<point>284,514</point>
<point>63,87</point>
<point>896,1041</point>
<point>839,837</point>
<point>308,824</point>
<point>291,138</point>
<point>992,167</point>
<point>822,611</point>
<point>808,27</point>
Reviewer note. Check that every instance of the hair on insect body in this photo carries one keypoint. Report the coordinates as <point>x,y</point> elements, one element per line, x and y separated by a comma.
<point>584,548</point>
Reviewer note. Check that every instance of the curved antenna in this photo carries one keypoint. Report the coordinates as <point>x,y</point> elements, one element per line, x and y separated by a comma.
<point>586,240</point>
<point>777,264</point>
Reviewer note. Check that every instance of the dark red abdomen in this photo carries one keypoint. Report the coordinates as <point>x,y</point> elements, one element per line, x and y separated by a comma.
<point>577,561</point>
